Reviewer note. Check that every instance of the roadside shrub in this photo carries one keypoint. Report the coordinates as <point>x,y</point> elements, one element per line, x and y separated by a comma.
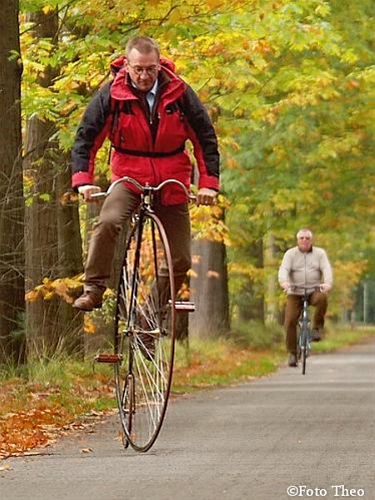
<point>257,335</point>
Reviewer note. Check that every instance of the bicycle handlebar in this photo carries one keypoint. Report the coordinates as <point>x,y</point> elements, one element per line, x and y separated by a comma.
<point>293,288</point>
<point>142,188</point>
<point>304,287</point>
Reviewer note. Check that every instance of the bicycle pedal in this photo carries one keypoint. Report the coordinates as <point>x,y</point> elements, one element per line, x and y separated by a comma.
<point>184,306</point>
<point>108,358</point>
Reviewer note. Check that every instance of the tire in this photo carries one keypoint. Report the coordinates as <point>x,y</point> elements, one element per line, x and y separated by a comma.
<point>144,333</point>
<point>304,347</point>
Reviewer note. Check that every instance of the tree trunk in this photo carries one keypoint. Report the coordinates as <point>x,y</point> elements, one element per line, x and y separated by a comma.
<point>209,290</point>
<point>41,236</point>
<point>12,286</point>
<point>41,165</point>
<point>69,261</point>
<point>251,300</point>
<point>272,262</point>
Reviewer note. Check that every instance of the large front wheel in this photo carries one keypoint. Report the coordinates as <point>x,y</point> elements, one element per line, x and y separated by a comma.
<point>144,336</point>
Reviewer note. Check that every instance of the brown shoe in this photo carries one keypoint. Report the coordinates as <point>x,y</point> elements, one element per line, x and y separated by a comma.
<point>88,301</point>
<point>292,361</point>
<point>316,335</point>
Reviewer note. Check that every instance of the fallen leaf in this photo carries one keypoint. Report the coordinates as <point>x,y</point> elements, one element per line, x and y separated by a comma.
<point>5,468</point>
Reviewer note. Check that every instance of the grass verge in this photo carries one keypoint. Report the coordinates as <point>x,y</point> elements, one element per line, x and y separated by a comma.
<point>219,363</point>
<point>344,336</point>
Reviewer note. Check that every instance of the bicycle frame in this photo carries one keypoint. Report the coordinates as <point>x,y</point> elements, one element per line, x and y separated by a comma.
<point>305,332</point>
<point>304,339</point>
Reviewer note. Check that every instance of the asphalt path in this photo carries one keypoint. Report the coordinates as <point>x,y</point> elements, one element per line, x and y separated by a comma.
<point>312,436</point>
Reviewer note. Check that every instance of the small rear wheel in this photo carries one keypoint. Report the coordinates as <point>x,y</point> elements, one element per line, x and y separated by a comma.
<point>145,333</point>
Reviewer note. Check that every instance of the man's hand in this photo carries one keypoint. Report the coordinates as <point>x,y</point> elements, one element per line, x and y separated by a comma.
<point>87,190</point>
<point>285,286</point>
<point>206,196</point>
<point>325,288</point>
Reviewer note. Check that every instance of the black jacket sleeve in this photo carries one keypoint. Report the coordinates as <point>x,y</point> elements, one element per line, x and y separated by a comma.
<point>92,125</point>
<point>201,124</point>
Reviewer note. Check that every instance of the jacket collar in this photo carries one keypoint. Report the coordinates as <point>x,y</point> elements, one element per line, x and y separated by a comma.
<point>309,251</point>
<point>169,84</point>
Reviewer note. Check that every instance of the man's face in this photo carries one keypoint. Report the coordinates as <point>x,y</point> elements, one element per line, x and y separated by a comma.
<point>304,241</point>
<point>143,69</point>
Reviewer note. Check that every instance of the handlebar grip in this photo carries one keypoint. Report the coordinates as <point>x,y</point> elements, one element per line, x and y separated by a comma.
<point>100,195</point>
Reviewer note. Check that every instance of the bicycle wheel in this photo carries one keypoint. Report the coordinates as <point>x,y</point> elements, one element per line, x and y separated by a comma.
<point>304,347</point>
<point>145,333</point>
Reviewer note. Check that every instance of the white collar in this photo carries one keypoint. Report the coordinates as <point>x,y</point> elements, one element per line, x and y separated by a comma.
<point>152,90</point>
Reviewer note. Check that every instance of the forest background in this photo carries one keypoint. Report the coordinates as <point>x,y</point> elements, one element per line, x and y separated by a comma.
<point>289,86</point>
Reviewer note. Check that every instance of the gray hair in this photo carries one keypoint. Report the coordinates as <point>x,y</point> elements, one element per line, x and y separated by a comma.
<point>144,44</point>
<point>304,230</point>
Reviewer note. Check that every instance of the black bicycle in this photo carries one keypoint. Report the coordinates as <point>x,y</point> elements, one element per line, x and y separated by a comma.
<point>305,334</point>
<point>145,323</point>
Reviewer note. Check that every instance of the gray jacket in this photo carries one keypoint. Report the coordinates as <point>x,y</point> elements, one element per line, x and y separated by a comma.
<point>305,269</point>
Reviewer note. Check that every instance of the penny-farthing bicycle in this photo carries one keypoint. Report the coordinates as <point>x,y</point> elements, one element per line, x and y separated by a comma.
<point>145,323</point>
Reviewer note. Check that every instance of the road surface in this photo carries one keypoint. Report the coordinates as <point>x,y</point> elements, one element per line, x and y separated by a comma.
<point>281,437</point>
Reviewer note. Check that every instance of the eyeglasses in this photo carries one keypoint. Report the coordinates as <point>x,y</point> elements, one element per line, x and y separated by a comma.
<point>138,70</point>
<point>304,238</point>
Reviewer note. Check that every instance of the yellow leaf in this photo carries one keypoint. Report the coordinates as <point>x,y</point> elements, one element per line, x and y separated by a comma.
<point>6,467</point>
<point>47,9</point>
<point>88,325</point>
<point>32,296</point>
<point>214,3</point>
<point>192,274</point>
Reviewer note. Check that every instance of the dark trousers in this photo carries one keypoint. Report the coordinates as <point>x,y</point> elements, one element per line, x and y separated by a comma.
<point>116,211</point>
<point>293,310</point>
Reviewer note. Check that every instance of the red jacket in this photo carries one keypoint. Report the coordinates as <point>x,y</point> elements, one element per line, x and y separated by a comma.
<point>148,147</point>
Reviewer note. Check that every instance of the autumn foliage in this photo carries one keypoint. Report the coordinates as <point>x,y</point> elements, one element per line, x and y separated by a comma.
<point>34,415</point>
<point>289,85</point>
<point>288,88</point>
